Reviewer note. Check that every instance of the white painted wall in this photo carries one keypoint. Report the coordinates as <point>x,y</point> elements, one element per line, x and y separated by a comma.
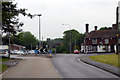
<point>82,48</point>
<point>115,47</point>
<point>100,48</point>
<point>109,49</point>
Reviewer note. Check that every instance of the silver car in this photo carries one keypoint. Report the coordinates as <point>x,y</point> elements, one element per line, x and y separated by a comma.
<point>4,53</point>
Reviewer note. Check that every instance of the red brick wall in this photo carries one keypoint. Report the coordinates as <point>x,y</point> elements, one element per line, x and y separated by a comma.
<point>12,47</point>
<point>111,41</point>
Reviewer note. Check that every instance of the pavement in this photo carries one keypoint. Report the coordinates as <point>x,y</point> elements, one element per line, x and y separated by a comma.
<point>106,67</point>
<point>70,66</point>
<point>33,67</point>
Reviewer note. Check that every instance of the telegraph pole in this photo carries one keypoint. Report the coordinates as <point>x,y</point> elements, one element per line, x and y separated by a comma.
<point>75,42</point>
<point>31,46</point>
<point>9,44</point>
<point>117,34</point>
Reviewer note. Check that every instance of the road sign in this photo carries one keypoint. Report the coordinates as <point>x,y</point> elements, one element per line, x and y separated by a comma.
<point>48,43</point>
<point>48,40</point>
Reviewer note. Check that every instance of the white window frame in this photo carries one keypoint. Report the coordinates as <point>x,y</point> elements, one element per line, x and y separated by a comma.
<point>101,42</point>
<point>106,41</point>
<point>94,41</point>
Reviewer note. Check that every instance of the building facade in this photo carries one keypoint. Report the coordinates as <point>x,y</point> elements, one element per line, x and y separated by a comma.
<point>16,47</point>
<point>100,40</point>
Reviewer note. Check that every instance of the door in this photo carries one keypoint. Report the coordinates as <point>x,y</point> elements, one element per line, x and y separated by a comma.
<point>112,49</point>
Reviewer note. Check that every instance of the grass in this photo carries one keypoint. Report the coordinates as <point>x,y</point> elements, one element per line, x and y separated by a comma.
<point>4,59</point>
<point>3,67</point>
<point>107,59</point>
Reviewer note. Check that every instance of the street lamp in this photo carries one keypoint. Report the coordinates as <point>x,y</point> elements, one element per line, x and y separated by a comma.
<point>70,36</point>
<point>39,30</point>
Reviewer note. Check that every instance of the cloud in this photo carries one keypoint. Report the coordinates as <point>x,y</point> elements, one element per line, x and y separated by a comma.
<point>73,12</point>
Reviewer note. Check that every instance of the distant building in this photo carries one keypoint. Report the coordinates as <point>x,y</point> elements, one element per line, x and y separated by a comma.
<point>2,47</point>
<point>16,47</point>
<point>100,40</point>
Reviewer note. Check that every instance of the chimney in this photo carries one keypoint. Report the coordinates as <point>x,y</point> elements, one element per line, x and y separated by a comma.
<point>114,27</point>
<point>87,28</point>
<point>95,28</point>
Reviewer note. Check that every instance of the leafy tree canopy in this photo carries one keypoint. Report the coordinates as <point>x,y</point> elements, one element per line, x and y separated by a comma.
<point>103,28</point>
<point>75,37</point>
<point>10,20</point>
<point>23,38</point>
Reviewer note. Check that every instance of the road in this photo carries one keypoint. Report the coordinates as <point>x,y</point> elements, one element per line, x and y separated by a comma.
<point>69,67</point>
<point>33,67</point>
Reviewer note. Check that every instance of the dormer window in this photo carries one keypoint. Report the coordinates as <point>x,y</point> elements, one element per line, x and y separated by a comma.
<point>106,41</point>
<point>94,41</point>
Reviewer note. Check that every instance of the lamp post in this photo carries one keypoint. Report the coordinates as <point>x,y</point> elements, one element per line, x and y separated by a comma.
<point>70,36</point>
<point>39,30</point>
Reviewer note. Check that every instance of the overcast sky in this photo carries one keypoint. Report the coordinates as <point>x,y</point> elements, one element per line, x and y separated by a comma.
<point>73,12</point>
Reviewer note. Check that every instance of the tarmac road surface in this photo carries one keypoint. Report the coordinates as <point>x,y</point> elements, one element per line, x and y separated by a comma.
<point>70,67</point>
<point>33,67</point>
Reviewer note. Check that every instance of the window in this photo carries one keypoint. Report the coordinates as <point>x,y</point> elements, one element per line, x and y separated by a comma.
<point>119,40</point>
<point>106,41</point>
<point>101,42</point>
<point>94,41</point>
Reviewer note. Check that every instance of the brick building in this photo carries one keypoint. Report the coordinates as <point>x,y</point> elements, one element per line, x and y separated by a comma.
<point>16,47</point>
<point>100,40</point>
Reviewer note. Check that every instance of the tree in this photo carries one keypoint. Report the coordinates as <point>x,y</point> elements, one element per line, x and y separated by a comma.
<point>10,20</point>
<point>23,38</point>
<point>75,37</point>
<point>26,39</point>
<point>103,28</point>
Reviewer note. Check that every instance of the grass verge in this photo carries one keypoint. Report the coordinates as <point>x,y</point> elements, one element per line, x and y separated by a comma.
<point>107,59</point>
<point>3,67</point>
<point>4,59</point>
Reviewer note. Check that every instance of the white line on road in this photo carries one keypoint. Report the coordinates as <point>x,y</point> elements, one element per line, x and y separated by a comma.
<point>78,59</point>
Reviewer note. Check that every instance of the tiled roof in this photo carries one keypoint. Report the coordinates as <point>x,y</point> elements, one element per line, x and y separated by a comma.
<point>18,45</point>
<point>102,34</point>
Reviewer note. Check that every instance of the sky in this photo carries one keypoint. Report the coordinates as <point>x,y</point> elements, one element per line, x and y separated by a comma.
<point>75,13</point>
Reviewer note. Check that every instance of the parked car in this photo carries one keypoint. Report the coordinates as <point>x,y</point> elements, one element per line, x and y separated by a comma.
<point>31,51</point>
<point>4,53</point>
<point>76,51</point>
<point>26,52</point>
<point>20,52</point>
<point>14,52</point>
